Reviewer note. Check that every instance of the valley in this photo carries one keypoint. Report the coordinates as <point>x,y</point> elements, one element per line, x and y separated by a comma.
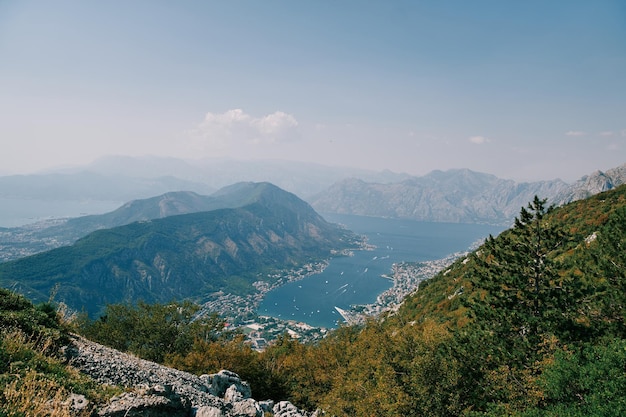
<point>246,301</point>
<point>339,285</point>
<point>313,209</point>
<point>435,327</point>
<point>353,282</point>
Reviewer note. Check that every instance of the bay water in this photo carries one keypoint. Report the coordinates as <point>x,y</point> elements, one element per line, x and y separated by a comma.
<point>352,280</point>
<point>15,212</point>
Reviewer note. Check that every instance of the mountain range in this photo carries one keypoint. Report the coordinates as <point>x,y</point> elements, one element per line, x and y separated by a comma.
<point>593,184</point>
<point>249,230</point>
<point>168,204</point>
<point>462,196</point>
<point>121,179</point>
<point>531,323</point>
<point>457,195</point>
<point>30,239</point>
<point>89,185</point>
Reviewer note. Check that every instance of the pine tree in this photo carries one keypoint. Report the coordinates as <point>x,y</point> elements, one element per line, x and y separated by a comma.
<point>524,296</point>
<point>608,256</point>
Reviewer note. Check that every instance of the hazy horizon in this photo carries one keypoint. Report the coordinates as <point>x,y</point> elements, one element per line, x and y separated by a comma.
<point>521,90</point>
<point>198,163</point>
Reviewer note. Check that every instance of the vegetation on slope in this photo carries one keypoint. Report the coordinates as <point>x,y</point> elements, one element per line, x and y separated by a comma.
<point>181,257</point>
<point>533,323</point>
<point>34,378</point>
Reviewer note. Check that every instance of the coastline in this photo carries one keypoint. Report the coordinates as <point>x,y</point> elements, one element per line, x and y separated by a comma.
<point>406,277</point>
<point>235,308</point>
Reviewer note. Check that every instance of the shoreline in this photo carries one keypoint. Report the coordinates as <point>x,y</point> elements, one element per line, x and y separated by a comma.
<point>406,277</point>
<point>236,307</point>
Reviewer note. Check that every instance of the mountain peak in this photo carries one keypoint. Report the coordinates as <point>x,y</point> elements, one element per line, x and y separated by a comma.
<point>249,228</point>
<point>594,183</point>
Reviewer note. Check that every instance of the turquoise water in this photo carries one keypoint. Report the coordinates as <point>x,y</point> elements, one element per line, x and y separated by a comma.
<point>357,279</point>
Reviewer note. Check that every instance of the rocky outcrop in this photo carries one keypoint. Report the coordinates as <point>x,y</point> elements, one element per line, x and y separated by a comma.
<point>154,390</point>
<point>592,184</point>
<point>154,401</point>
<point>286,409</point>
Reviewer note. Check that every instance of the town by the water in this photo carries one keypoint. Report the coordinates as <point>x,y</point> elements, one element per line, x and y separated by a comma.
<point>240,312</point>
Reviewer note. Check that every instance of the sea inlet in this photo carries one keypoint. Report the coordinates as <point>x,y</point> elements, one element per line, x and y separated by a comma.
<point>358,279</point>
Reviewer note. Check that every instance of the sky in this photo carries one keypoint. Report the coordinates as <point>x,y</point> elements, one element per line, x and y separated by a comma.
<point>526,90</point>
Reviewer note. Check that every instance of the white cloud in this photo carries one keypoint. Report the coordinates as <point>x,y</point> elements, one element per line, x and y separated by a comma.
<point>227,118</point>
<point>274,123</point>
<point>234,129</point>
<point>606,133</point>
<point>478,140</point>
<point>575,133</point>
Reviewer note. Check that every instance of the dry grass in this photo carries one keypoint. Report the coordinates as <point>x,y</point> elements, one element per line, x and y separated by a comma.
<point>34,395</point>
<point>33,383</point>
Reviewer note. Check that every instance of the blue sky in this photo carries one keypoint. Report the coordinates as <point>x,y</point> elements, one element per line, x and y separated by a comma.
<point>521,89</point>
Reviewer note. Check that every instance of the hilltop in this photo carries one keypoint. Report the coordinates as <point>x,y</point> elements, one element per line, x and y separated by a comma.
<point>28,240</point>
<point>186,256</point>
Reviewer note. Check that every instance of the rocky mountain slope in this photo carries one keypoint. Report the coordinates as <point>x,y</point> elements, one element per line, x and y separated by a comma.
<point>183,256</point>
<point>45,370</point>
<point>592,184</point>
<point>156,390</point>
<point>456,196</point>
<point>453,196</point>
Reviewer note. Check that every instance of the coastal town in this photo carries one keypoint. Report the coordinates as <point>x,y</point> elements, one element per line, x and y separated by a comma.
<point>406,277</point>
<point>240,312</point>
<point>18,242</point>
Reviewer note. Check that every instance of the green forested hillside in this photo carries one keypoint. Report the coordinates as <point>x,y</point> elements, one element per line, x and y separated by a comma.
<point>187,256</point>
<point>530,324</point>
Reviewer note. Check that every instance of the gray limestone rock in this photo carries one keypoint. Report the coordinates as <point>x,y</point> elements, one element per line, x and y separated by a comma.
<point>209,411</point>
<point>246,408</point>
<point>153,390</point>
<point>287,409</point>
<point>78,402</point>
<point>233,395</point>
<point>155,401</point>
<point>223,380</point>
